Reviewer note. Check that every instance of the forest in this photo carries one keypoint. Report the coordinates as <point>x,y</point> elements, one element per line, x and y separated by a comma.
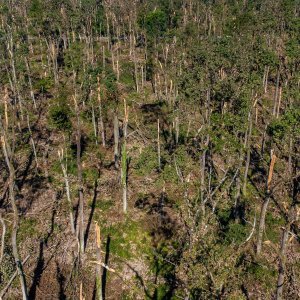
<point>149,149</point>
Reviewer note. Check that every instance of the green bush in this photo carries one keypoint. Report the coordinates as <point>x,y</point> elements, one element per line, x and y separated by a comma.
<point>156,23</point>
<point>262,273</point>
<point>60,117</point>
<point>147,162</point>
<point>44,84</point>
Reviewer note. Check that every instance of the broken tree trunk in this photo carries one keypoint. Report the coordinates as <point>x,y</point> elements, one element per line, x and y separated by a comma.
<point>67,187</point>
<point>116,141</point>
<point>282,261</point>
<point>158,145</point>
<point>265,206</point>
<point>9,160</point>
<point>80,182</point>
<point>98,265</point>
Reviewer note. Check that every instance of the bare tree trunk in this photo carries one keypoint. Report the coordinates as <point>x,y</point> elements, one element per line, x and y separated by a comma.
<point>10,48</point>
<point>101,124</point>
<point>32,143</point>
<point>124,161</point>
<point>9,160</point>
<point>248,154</point>
<point>80,183</point>
<point>282,261</point>
<point>265,206</point>
<point>98,265</point>
<point>276,93</point>
<point>67,186</point>
<point>136,74</point>
<point>30,83</point>
<point>124,176</point>
<point>266,77</point>
<point>3,237</point>
<point>279,102</point>
<point>116,141</point>
<point>237,196</point>
<point>261,226</point>
<point>176,130</point>
<point>202,184</point>
<point>103,57</point>
<point>94,125</point>
<point>158,145</point>
<point>5,289</point>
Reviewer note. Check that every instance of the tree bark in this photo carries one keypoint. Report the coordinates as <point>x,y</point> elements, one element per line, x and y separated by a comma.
<point>116,141</point>
<point>158,145</point>
<point>282,261</point>
<point>262,224</point>
<point>248,154</point>
<point>3,237</point>
<point>9,161</point>
<point>98,265</point>
<point>265,206</point>
<point>80,183</point>
<point>67,187</point>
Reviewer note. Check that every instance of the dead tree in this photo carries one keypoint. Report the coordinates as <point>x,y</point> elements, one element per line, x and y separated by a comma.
<point>3,237</point>
<point>265,206</point>
<point>116,141</point>
<point>80,181</point>
<point>124,160</point>
<point>99,262</point>
<point>67,186</point>
<point>8,152</point>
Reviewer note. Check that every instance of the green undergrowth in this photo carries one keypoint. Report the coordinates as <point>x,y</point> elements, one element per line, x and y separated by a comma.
<point>127,239</point>
<point>263,274</point>
<point>28,228</point>
<point>103,204</point>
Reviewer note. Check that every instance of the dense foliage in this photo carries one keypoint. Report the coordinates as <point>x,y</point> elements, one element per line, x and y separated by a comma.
<point>173,125</point>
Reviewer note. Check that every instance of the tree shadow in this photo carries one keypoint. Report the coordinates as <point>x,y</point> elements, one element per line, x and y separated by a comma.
<point>54,210</point>
<point>162,229</point>
<point>106,260</point>
<point>141,281</point>
<point>20,182</point>
<point>93,206</point>
<point>61,281</point>
<point>76,212</point>
<point>37,272</point>
<point>94,290</point>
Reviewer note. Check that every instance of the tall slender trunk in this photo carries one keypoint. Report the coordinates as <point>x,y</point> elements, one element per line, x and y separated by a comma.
<point>103,57</point>
<point>276,93</point>
<point>67,187</point>
<point>9,160</point>
<point>158,145</point>
<point>30,83</point>
<point>176,130</point>
<point>80,183</point>
<point>237,197</point>
<point>116,141</point>
<point>261,226</point>
<point>94,125</point>
<point>202,184</point>
<point>247,144</point>
<point>10,48</point>
<point>282,261</point>
<point>98,265</point>
<point>124,161</point>
<point>265,80</point>
<point>32,143</point>
<point>265,206</point>
<point>101,124</point>
<point>124,176</point>
<point>3,237</point>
